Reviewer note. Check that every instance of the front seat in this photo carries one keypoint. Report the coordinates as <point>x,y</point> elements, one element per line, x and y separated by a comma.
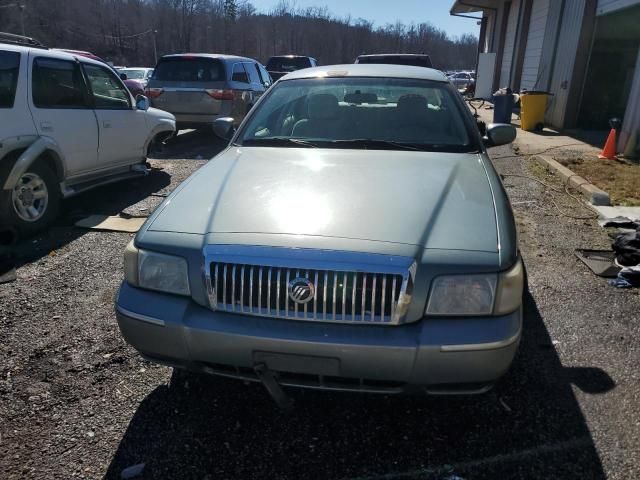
<point>323,118</point>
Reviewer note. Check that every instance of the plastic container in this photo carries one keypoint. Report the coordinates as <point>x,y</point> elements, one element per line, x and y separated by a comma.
<point>533,106</point>
<point>502,107</point>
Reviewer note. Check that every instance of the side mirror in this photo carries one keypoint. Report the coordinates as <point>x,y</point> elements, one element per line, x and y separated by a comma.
<point>142,103</point>
<point>499,134</point>
<point>223,127</point>
<point>123,76</point>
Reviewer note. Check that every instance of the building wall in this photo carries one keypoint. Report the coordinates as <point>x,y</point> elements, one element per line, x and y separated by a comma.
<point>509,44</point>
<point>563,66</point>
<point>535,40</point>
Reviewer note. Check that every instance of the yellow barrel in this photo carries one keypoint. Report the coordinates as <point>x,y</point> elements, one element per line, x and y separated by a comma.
<point>533,105</point>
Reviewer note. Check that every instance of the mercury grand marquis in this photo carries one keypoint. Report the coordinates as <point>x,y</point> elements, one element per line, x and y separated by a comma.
<point>353,235</point>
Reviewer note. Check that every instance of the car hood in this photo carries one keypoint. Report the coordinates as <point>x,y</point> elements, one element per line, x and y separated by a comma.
<point>433,200</point>
<point>158,114</point>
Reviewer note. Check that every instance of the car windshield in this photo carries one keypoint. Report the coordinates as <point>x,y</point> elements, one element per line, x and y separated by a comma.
<point>365,113</point>
<point>133,73</point>
<point>189,69</point>
<point>283,64</point>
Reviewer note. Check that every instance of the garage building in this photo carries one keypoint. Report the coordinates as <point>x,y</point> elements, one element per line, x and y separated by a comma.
<point>585,52</point>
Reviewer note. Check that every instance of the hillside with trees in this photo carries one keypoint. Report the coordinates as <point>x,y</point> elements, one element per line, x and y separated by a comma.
<point>132,32</point>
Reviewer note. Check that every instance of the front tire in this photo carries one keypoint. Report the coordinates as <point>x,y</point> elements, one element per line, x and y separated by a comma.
<point>33,204</point>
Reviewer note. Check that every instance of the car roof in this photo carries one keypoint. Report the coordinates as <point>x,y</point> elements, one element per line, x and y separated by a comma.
<point>218,56</point>
<point>369,70</point>
<point>50,53</point>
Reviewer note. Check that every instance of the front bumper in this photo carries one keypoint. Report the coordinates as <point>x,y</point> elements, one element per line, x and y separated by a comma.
<point>436,355</point>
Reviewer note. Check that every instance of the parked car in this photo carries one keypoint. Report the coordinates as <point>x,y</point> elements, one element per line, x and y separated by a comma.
<point>417,60</point>
<point>199,88</point>
<point>462,80</point>
<point>73,126</point>
<point>280,65</point>
<point>339,242</point>
<point>139,74</point>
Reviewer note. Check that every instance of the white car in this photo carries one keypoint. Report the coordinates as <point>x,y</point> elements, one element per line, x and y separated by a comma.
<point>67,124</point>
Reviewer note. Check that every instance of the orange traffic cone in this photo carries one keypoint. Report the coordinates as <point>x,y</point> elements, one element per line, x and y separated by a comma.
<point>609,151</point>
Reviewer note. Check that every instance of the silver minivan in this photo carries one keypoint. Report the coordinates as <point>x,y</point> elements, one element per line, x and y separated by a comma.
<point>199,88</point>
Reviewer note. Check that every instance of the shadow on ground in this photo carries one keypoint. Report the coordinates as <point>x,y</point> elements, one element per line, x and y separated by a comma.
<point>110,199</point>
<point>192,144</point>
<point>529,426</point>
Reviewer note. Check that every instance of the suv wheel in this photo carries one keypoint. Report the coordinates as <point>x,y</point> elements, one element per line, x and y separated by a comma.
<point>33,203</point>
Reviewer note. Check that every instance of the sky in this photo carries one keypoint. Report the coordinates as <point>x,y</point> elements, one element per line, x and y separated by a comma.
<point>382,12</point>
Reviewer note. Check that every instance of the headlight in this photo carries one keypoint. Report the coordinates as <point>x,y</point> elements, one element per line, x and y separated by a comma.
<point>462,295</point>
<point>156,271</point>
<point>486,294</point>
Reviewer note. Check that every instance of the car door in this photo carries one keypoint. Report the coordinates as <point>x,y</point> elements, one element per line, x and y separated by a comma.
<point>61,110</point>
<point>123,128</point>
<point>258,86</point>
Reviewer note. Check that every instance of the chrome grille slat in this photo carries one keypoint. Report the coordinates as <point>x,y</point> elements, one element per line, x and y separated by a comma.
<point>251,289</point>
<point>364,296</point>
<point>278,292</point>
<point>384,297</point>
<point>374,296</point>
<point>324,296</point>
<point>242,288</point>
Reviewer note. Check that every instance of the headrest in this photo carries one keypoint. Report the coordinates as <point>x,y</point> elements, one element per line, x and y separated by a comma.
<point>322,106</point>
<point>413,103</point>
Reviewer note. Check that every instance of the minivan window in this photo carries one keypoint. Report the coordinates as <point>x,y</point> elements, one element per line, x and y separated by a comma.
<point>189,69</point>
<point>409,60</point>
<point>58,84</point>
<point>239,74</point>
<point>9,65</point>
<point>284,64</point>
<point>264,75</point>
<point>252,70</point>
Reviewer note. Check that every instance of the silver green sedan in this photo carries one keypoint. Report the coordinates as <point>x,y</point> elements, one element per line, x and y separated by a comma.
<point>353,235</point>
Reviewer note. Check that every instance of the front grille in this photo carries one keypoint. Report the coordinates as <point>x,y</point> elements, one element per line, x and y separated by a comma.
<point>340,296</point>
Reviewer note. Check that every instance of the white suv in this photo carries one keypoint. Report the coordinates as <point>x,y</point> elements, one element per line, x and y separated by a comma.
<point>67,124</point>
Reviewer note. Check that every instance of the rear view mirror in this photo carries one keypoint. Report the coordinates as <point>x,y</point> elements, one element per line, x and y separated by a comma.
<point>223,127</point>
<point>142,103</point>
<point>123,76</point>
<point>499,134</point>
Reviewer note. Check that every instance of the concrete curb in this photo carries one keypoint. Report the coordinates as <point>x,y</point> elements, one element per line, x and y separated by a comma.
<point>593,194</point>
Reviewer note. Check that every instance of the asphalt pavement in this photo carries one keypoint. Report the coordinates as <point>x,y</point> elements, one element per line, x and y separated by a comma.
<point>76,401</point>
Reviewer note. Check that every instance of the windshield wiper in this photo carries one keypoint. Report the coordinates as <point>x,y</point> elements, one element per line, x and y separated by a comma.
<point>369,142</point>
<point>279,141</point>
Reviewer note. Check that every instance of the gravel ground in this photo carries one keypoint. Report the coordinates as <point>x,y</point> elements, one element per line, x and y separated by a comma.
<point>76,401</point>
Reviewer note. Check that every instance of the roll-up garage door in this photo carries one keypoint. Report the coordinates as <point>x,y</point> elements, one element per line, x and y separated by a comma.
<point>533,53</point>
<point>509,44</point>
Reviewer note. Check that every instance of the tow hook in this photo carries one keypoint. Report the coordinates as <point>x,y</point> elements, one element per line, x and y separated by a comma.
<point>268,379</point>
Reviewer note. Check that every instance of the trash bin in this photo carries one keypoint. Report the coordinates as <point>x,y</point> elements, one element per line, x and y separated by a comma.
<point>533,106</point>
<point>502,107</point>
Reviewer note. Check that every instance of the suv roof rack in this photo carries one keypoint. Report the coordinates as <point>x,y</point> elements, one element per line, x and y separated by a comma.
<point>20,40</point>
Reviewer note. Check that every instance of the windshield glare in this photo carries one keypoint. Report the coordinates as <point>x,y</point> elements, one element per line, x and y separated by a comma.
<point>387,112</point>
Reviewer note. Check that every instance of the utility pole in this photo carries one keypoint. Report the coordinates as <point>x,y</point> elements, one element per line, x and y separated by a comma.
<point>155,46</point>
<point>21,7</point>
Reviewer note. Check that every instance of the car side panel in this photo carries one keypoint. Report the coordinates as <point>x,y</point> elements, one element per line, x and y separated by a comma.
<point>74,130</point>
<point>20,132</point>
